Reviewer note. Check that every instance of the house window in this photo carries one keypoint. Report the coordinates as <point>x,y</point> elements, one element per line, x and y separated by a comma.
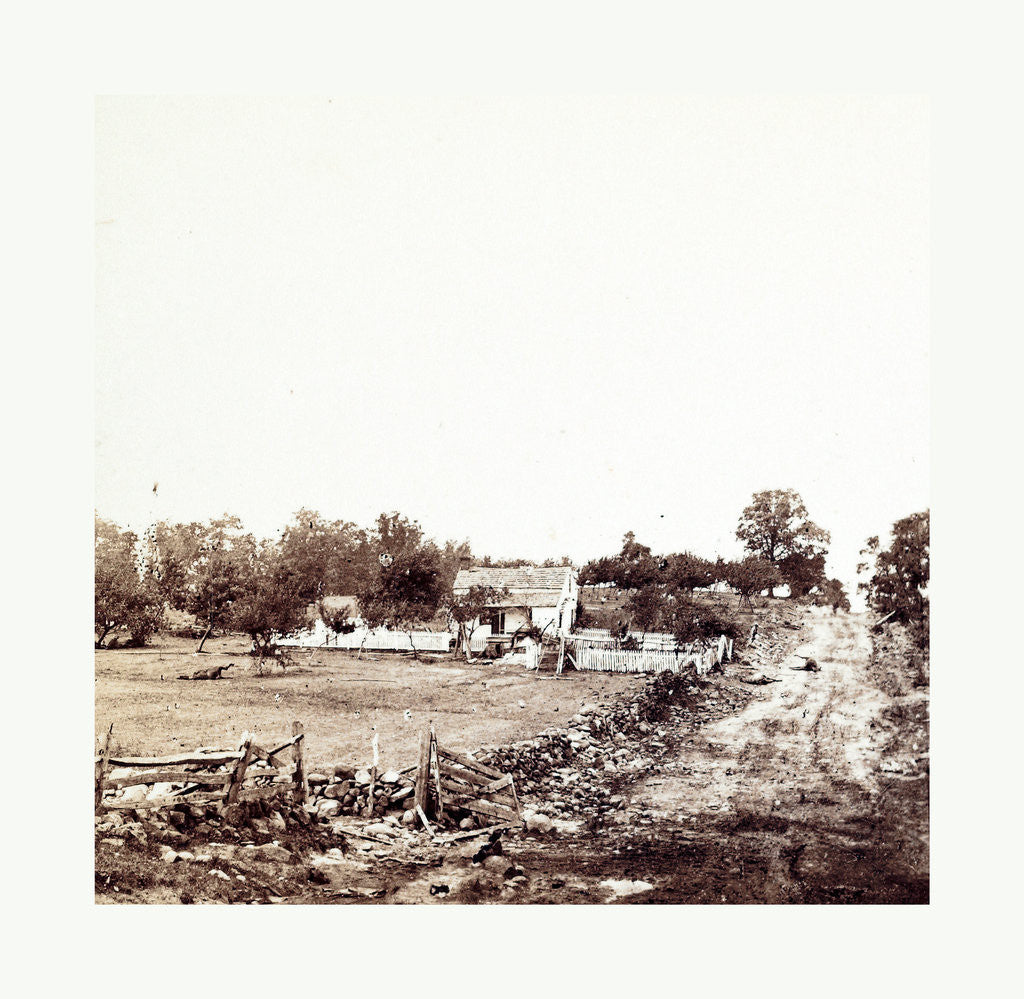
<point>497,622</point>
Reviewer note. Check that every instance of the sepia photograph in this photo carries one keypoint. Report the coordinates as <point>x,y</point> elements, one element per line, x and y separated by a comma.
<point>512,500</point>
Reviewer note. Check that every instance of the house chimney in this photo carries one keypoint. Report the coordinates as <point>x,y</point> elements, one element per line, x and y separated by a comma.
<point>465,562</point>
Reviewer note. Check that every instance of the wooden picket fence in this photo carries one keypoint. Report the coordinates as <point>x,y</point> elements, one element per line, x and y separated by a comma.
<point>586,655</point>
<point>590,657</point>
<point>448,782</point>
<point>245,774</point>
<point>377,640</point>
<point>652,641</point>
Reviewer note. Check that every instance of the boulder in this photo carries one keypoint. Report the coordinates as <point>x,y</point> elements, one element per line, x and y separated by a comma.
<point>234,815</point>
<point>362,777</point>
<point>497,863</point>
<point>381,829</point>
<point>328,808</point>
<point>537,822</point>
<point>317,778</point>
<point>390,777</point>
<point>273,852</point>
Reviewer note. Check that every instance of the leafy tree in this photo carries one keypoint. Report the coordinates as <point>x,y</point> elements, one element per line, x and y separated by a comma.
<point>900,573</point>
<point>467,609</point>
<point>271,601</point>
<point>633,567</point>
<point>325,556</point>
<point>697,621</point>
<point>687,571</point>
<point>408,585</point>
<point>647,608</point>
<point>750,576</point>
<point>452,557</point>
<point>832,594</point>
<point>199,568</point>
<point>599,570</point>
<point>776,526</point>
<point>802,573</point>
<point>123,596</point>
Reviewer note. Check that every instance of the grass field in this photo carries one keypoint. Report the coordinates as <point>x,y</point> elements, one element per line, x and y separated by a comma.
<point>340,700</point>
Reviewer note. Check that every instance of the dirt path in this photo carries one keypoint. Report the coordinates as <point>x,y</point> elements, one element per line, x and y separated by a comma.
<point>791,799</point>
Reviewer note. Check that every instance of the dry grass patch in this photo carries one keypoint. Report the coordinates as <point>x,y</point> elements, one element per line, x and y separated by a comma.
<point>341,701</point>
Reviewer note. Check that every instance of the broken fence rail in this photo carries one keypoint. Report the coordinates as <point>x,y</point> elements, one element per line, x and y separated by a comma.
<point>235,775</point>
<point>458,783</point>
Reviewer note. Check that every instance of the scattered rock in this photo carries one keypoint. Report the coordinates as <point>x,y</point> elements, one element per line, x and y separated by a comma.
<point>273,852</point>
<point>537,822</point>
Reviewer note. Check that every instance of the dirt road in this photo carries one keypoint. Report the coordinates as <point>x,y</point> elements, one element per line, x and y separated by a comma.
<point>816,791</point>
<point>811,789</point>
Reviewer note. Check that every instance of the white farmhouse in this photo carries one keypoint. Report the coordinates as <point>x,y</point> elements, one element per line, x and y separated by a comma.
<point>545,598</point>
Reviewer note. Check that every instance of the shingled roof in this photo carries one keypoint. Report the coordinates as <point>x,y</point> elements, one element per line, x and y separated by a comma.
<point>528,580</point>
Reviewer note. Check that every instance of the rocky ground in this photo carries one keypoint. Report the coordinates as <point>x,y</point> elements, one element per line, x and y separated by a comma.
<point>812,789</point>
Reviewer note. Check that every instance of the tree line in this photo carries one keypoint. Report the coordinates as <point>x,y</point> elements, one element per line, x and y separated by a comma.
<point>227,579</point>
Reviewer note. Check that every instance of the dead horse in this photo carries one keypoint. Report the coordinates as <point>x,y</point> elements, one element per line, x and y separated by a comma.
<point>207,674</point>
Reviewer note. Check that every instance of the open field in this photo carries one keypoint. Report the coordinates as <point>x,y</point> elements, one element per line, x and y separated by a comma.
<point>341,701</point>
<point>813,789</point>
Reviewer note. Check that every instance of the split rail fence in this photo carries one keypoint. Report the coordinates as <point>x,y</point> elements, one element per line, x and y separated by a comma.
<point>456,782</point>
<point>216,776</point>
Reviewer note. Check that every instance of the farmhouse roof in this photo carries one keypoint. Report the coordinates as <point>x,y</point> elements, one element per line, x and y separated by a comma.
<point>545,585</point>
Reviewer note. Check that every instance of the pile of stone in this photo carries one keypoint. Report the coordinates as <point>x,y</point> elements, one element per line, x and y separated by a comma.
<point>261,822</point>
<point>575,770</point>
<point>346,791</point>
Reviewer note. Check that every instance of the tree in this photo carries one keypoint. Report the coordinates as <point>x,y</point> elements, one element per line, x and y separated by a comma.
<point>687,571</point>
<point>467,609</point>
<point>271,601</point>
<point>776,526</point>
<point>325,556</point>
<point>691,621</point>
<point>123,597</point>
<point>408,584</point>
<point>199,568</point>
<point>802,573</point>
<point>750,576</point>
<point>832,594</point>
<point>900,573</point>
<point>647,608</point>
<point>633,567</point>
<point>454,555</point>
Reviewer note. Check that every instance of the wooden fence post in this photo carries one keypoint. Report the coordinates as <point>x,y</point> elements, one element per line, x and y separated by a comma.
<point>101,766</point>
<point>423,774</point>
<point>373,777</point>
<point>439,812</point>
<point>238,774</point>
<point>299,794</point>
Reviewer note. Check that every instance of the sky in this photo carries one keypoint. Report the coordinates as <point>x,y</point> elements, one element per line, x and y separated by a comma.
<point>534,323</point>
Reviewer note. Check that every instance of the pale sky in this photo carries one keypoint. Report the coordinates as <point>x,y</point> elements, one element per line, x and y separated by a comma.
<point>533,323</point>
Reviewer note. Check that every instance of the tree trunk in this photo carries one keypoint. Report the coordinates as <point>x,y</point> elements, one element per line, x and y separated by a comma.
<point>206,635</point>
<point>412,645</point>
